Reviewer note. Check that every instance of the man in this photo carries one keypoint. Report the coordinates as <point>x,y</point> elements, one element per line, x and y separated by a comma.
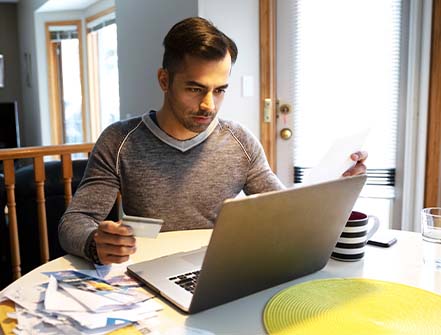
<point>179,163</point>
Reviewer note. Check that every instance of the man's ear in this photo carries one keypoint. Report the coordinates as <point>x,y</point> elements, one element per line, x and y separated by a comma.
<point>163,79</point>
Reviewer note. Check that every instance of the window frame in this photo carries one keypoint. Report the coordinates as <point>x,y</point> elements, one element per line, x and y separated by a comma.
<point>433,157</point>
<point>268,72</point>
<point>93,75</point>
<point>57,128</point>
<point>411,172</point>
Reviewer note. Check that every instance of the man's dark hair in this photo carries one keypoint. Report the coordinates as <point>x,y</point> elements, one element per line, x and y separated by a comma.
<point>197,37</point>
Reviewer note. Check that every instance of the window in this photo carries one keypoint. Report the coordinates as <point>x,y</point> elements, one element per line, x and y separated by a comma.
<point>103,71</point>
<point>65,82</point>
<point>347,60</point>
<point>69,121</point>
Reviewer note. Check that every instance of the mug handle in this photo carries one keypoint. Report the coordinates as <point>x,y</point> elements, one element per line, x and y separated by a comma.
<point>374,227</point>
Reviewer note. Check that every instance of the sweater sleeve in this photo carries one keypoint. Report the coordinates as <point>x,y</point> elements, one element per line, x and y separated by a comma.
<point>95,196</point>
<point>260,178</point>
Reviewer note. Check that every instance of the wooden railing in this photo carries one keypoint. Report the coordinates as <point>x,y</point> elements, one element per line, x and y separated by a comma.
<point>37,154</point>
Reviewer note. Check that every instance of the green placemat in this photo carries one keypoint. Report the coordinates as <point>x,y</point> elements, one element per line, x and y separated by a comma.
<point>353,306</point>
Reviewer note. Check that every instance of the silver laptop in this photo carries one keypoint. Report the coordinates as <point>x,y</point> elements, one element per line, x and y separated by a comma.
<point>258,242</point>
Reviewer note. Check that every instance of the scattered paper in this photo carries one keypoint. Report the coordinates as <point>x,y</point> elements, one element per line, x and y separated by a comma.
<point>140,311</point>
<point>96,294</point>
<point>53,296</point>
<point>115,274</point>
<point>72,302</point>
<point>29,297</point>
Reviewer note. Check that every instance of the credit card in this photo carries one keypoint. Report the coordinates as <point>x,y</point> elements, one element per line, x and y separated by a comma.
<point>143,227</point>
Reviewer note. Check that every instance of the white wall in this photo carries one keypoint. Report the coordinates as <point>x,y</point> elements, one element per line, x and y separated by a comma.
<point>98,7</point>
<point>240,21</point>
<point>141,27</point>
<point>30,113</point>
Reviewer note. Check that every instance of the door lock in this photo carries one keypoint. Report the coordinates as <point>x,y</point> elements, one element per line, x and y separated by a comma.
<point>285,108</point>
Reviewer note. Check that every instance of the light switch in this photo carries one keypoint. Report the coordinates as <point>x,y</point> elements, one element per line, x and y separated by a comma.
<point>247,86</point>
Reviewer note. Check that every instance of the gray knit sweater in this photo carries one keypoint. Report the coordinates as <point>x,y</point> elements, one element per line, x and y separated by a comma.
<point>182,182</point>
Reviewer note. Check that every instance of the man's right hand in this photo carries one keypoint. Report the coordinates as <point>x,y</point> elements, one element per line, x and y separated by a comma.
<point>114,242</point>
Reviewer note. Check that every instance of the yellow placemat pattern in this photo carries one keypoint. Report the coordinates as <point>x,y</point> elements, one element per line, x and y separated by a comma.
<point>353,306</point>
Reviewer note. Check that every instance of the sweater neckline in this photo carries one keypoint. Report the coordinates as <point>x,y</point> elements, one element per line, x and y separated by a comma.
<point>182,146</point>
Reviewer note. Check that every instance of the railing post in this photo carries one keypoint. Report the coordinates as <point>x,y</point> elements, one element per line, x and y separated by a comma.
<point>40,177</point>
<point>8,165</point>
<point>67,172</point>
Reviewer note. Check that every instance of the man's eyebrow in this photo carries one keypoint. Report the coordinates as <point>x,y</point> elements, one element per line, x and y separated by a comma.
<point>195,83</point>
<point>222,87</point>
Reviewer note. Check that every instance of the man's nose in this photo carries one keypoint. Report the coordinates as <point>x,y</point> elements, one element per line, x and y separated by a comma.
<point>207,102</point>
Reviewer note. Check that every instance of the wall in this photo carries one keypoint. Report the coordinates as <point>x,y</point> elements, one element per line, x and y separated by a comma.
<point>240,21</point>
<point>141,29</point>
<point>10,51</point>
<point>30,111</point>
<point>98,7</point>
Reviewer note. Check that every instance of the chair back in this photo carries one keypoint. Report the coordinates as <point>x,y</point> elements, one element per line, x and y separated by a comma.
<point>12,175</point>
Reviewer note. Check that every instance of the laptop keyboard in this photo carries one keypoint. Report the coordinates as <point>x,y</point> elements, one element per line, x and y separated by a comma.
<point>187,280</point>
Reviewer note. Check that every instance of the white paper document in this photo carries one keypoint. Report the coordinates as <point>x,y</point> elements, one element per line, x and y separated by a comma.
<point>337,160</point>
<point>54,296</point>
<point>29,297</point>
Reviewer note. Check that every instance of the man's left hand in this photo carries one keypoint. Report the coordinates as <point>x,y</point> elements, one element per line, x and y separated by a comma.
<point>359,168</point>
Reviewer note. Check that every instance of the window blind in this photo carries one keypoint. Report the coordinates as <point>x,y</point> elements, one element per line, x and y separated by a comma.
<point>346,56</point>
<point>59,33</point>
<point>101,22</point>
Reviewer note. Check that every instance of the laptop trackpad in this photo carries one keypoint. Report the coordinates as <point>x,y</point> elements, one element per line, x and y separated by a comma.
<point>195,257</point>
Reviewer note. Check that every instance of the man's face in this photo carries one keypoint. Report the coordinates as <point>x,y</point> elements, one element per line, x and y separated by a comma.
<point>194,95</point>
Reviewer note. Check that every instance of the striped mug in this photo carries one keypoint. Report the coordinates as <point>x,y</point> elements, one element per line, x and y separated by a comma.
<point>352,241</point>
